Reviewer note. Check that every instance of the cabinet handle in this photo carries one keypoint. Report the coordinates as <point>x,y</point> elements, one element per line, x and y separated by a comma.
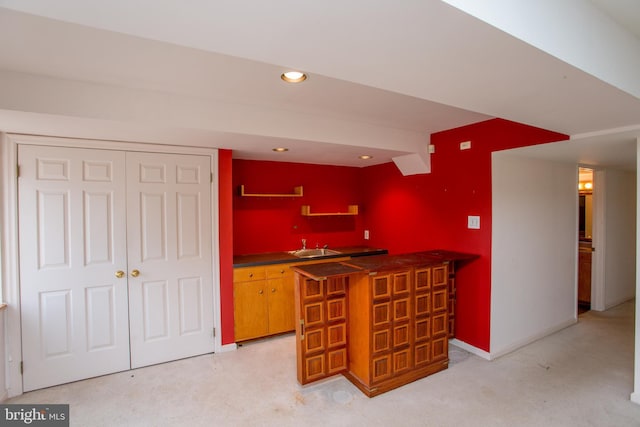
<point>135,273</point>
<point>119,274</point>
<point>250,274</point>
<point>281,271</point>
<point>273,289</point>
<point>260,291</point>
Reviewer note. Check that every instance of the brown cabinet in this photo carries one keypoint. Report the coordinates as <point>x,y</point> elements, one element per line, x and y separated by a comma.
<point>402,319</point>
<point>249,297</point>
<point>396,325</point>
<point>321,343</point>
<point>263,301</point>
<point>452,300</point>
<point>280,300</point>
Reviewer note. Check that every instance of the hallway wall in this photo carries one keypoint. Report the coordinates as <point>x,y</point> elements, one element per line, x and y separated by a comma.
<point>534,250</point>
<point>615,236</point>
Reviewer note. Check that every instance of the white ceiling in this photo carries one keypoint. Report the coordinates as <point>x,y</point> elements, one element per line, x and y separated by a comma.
<point>384,75</point>
<point>625,12</point>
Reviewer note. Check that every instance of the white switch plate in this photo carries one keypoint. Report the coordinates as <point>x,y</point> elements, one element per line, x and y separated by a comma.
<point>366,234</point>
<point>432,148</point>
<point>465,145</point>
<point>473,222</point>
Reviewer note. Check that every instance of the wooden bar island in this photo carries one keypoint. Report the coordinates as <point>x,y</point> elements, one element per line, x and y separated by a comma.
<point>381,321</point>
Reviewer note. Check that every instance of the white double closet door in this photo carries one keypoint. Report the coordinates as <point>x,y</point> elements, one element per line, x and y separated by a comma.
<point>115,261</point>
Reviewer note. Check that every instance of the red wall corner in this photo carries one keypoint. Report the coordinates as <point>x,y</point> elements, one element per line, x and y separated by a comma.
<point>420,212</point>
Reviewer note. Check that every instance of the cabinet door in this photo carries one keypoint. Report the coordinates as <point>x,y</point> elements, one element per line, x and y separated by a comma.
<point>251,311</point>
<point>321,332</point>
<point>280,304</point>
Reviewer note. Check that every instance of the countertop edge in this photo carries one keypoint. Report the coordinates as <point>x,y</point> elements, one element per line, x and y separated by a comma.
<point>284,258</point>
<point>381,264</point>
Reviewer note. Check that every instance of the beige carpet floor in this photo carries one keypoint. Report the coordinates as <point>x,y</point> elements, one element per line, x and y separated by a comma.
<point>580,376</point>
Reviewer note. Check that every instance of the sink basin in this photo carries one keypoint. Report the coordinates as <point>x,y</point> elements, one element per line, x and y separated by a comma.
<point>313,253</point>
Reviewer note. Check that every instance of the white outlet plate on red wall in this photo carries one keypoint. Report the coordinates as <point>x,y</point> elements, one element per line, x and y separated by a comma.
<point>473,222</point>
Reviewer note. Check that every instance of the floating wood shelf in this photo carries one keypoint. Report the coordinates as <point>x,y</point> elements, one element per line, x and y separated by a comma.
<point>297,192</point>
<point>351,210</point>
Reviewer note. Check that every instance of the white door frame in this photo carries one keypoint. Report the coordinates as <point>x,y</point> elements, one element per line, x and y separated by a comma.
<point>635,395</point>
<point>599,233</point>
<point>9,263</point>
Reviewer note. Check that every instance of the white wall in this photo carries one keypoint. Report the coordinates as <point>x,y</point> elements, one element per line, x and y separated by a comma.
<point>534,249</point>
<point>10,346</point>
<point>3,358</point>
<point>635,396</point>
<point>575,31</point>
<point>614,238</point>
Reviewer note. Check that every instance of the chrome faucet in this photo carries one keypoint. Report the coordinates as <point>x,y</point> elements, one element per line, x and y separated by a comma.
<point>304,243</point>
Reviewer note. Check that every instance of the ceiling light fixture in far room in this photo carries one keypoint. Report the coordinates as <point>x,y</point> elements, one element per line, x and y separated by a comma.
<point>365,157</point>
<point>280,149</point>
<point>293,77</point>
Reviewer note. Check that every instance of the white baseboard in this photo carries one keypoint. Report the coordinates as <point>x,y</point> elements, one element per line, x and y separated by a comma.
<point>228,347</point>
<point>635,397</point>
<point>528,340</point>
<point>619,301</point>
<point>471,349</point>
<point>4,396</point>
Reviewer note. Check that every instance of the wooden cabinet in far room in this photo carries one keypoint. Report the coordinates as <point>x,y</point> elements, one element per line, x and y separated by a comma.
<point>585,253</point>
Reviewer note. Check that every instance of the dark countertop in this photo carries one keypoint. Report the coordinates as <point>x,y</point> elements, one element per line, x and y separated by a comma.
<point>266,258</point>
<point>450,256</point>
<point>394,262</point>
<point>325,269</point>
<point>377,263</point>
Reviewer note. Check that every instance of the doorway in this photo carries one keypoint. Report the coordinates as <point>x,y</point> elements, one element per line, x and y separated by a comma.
<point>585,238</point>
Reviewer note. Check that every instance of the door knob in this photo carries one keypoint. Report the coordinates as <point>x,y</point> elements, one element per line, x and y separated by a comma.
<point>119,274</point>
<point>135,273</point>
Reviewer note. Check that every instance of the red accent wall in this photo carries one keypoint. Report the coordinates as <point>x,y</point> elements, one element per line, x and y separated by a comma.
<point>419,212</point>
<point>225,218</point>
<point>269,224</point>
<point>403,213</point>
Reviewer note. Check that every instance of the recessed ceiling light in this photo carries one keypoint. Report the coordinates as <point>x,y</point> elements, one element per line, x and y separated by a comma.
<point>365,157</point>
<point>293,77</point>
<point>280,149</point>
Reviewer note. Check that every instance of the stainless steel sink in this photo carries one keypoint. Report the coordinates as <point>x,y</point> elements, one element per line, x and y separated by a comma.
<point>314,253</point>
